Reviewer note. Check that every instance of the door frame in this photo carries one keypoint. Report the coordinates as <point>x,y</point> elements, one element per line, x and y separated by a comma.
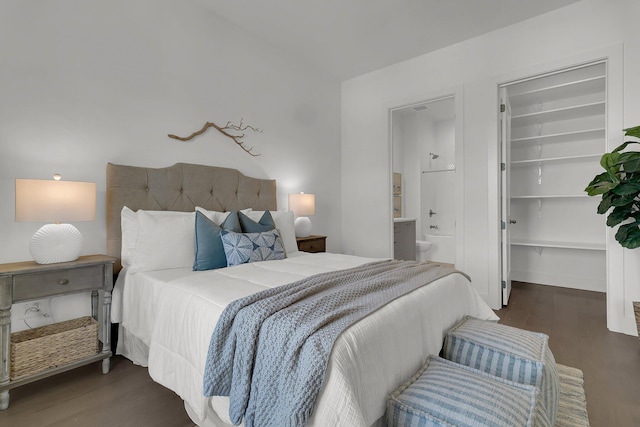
<point>620,317</point>
<point>457,94</point>
<point>505,194</point>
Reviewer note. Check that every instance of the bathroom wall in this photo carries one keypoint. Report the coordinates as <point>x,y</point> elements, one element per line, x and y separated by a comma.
<point>437,188</point>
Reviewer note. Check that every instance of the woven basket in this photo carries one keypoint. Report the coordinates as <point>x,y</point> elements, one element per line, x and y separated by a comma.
<point>636,310</point>
<point>39,349</point>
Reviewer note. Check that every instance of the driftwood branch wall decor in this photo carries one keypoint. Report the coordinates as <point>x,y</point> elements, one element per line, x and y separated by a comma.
<point>226,131</point>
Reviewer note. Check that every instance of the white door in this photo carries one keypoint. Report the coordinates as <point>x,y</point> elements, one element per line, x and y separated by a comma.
<point>505,196</point>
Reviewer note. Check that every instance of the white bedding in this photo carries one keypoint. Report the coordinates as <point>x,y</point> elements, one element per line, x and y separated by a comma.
<point>168,316</point>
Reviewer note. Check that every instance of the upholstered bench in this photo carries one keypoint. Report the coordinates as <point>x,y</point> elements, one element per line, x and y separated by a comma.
<point>506,352</point>
<point>444,393</point>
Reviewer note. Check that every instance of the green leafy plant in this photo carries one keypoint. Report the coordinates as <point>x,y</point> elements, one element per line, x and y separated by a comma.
<point>619,186</point>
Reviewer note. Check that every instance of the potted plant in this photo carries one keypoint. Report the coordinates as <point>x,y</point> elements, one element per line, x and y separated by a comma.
<point>619,186</point>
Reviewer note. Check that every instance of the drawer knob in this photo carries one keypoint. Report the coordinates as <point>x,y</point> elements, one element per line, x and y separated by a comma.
<point>63,282</point>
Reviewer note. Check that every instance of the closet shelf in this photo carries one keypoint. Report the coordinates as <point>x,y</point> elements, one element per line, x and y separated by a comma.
<point>558,114</point>
<point>555,196</point>
<point>550,160</point>
<point>593,246</point>
<point>562,137</point>
<point>559,91</point>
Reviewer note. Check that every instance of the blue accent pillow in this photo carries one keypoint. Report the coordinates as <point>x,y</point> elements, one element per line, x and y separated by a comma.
<point>209,251</point>
<point>265,223</point>
<point>241,248</point>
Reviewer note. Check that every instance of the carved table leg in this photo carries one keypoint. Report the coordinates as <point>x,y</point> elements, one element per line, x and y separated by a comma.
<point>4,400</point>
<point>94,304</point>
<point>106,330</point>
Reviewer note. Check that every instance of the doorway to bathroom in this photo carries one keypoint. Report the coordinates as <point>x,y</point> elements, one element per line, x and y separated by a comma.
<point>426,160</point>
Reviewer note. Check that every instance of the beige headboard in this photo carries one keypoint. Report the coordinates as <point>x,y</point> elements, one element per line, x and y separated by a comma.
<point>180,187</point>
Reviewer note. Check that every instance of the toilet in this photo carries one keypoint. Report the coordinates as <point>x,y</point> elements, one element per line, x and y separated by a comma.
<point>422,250</point>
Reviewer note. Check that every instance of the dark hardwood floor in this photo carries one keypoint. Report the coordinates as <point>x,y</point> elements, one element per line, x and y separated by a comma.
<point>574,320</point>
<point>126,397</point>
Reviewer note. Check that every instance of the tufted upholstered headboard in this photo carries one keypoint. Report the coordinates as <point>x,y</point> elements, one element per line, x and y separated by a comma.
<point>180,187</point>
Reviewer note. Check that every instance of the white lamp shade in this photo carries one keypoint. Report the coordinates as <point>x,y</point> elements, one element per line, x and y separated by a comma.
<point>302,204</point>
<point>55,201</point>
<point>40,200</point>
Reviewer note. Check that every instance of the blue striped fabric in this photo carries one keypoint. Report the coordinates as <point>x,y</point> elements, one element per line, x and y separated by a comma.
<point>507,352</point>
<point>444,393</point>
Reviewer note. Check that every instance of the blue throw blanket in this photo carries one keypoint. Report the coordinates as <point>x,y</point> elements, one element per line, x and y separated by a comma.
<point>269,350</point>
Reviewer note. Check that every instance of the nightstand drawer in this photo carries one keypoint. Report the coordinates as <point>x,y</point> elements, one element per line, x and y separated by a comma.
<point>312,244</point>
<point>48,283</point>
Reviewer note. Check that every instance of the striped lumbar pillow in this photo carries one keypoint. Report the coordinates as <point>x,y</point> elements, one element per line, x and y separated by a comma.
<point>444,393</point>
<point>507,352</point>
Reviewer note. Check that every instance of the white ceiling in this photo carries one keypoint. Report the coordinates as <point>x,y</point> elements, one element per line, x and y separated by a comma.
<point>346,38</point>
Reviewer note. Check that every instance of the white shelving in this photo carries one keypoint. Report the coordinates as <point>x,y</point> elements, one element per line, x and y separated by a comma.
<point>562,159</point>
<point>551,196</point>
<point>594,246</point>
<point>569,136</point>
<point>559,91</point>
<point>559,114</point>
<point>558,135</point>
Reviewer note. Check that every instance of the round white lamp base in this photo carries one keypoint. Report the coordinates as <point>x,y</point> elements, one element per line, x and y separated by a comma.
<point>56,243</point>
<point>303,226</point>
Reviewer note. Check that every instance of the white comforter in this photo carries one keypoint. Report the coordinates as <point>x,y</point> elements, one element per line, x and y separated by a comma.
<point>172,313</point>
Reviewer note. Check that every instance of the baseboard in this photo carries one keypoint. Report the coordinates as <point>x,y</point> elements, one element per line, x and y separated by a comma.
<point>573,282</point>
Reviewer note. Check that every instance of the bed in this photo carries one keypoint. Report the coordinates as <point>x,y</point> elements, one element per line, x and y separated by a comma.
<point>167,312</point>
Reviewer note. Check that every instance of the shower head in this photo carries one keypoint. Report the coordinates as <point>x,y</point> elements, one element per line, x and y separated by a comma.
<point>433,156</point>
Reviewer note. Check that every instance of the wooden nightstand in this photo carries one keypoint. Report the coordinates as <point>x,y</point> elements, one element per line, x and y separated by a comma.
<point>312,243</point>
<point>25,281</point>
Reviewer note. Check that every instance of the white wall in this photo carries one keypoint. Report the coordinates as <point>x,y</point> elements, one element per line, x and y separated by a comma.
<point>86,83</point>
<point>411,160</point>
<point>572,34</point>
<point>399,131</point>
<point>405,145</point>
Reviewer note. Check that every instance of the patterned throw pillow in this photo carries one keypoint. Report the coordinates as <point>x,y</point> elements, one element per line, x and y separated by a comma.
<point>251,247</point>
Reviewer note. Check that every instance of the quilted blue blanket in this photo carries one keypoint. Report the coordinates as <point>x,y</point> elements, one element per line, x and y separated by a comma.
<point>269,350</point>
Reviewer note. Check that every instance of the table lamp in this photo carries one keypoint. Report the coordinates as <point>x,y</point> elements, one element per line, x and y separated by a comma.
<point>56,202</point>
<point>302,205</point>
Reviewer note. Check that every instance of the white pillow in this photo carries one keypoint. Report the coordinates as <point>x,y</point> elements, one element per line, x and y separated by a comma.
<point>284,223</point>
<point>219,217</point>
<point>163,239</point>
<point>215,216</point>
<point>129,226</point>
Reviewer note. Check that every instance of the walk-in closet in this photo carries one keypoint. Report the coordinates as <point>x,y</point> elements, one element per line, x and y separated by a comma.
<point>555,135</point>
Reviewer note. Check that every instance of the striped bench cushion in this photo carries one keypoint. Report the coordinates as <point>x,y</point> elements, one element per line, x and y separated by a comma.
<point>507,352</point>
<point>444,393</point>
